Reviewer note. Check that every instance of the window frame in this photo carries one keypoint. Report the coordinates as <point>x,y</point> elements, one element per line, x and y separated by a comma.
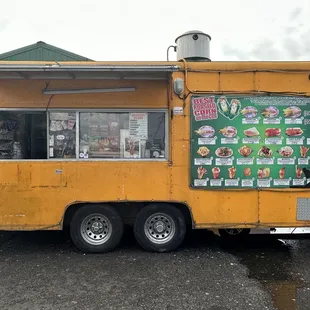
<point>85,110</point>
<point>121,110</point>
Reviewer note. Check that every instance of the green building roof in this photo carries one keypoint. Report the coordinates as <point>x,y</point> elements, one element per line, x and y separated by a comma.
<point>41,51</point>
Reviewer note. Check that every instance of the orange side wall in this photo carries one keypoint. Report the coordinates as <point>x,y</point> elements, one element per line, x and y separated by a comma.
<point>34,196</point>
<point>233,208</point>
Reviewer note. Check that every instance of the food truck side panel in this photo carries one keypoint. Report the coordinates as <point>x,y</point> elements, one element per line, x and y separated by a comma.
<point>34,194</point>
<point>211,208</point>
<point>47,187</point>
<point>28,94</point>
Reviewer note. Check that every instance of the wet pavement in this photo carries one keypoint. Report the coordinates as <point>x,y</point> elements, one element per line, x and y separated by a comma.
<point>43,270</point>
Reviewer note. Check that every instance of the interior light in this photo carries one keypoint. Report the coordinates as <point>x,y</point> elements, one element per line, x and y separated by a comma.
<point>87,90</point>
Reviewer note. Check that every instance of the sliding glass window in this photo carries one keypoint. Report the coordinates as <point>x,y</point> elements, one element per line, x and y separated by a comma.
<point>107,135</point>
<point>124,135</point>
<point>81,135</point>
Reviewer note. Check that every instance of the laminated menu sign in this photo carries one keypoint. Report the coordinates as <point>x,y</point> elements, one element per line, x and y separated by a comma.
<point>249,141</point>
<point>138,125</point>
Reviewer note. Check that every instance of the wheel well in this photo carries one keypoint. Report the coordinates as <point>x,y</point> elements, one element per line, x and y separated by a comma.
<point>127,210</point>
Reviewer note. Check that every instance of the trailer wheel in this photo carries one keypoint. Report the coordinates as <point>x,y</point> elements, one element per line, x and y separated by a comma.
<point>96,228</point>
<point>160,228</point>
<point>234,233</point>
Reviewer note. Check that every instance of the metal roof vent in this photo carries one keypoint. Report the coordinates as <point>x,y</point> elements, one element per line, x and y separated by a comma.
<point>193,46</point>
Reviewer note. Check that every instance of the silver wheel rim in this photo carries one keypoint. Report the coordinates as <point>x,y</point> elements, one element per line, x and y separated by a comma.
<point>96,229</point>
<point>235,231</point>
<point>159,228</point>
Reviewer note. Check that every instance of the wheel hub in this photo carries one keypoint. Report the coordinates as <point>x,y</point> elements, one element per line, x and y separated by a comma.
<point>159,228</point>
<point>96,229</point>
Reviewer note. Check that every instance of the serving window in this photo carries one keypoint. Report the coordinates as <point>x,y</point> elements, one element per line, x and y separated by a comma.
<point>107,135</point>
<point>72,135</point>
<point>124,135</point>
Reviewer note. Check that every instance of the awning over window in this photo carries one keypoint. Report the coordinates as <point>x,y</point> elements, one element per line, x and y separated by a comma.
<point>15,70</point>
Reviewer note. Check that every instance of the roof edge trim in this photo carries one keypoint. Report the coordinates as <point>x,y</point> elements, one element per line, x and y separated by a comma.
<point>89,68</point>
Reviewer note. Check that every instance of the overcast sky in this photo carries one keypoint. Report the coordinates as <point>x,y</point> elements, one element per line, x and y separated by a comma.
<point>142,30</point>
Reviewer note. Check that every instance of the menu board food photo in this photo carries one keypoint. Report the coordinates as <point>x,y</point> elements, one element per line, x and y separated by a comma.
<point>249,142</point>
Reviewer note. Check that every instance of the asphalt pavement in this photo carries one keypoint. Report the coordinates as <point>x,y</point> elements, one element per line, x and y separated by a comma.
<point>43,270</point>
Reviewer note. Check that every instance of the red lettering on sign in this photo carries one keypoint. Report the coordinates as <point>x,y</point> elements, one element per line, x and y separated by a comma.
<point>204,108</point>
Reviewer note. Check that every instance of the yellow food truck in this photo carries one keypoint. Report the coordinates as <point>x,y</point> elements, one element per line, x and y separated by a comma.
<point>163,146</point>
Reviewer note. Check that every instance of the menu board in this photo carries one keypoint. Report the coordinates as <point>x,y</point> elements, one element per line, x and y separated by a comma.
<point>249,142</point>
<point>138,125</point>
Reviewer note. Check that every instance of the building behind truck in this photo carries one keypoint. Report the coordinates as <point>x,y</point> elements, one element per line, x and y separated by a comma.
<point>162,146</point>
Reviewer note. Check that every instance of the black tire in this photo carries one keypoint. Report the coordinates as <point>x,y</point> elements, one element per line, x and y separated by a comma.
<point>112,229</point>
<point>166,214</point>
<point>229,234</point>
